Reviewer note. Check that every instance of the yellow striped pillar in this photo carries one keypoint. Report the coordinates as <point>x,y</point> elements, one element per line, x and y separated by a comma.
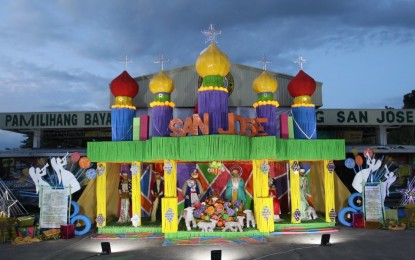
<point>101,190</point>
<point>169,212</point>
<point>329,191</point>
<point>263,204</point>
<point>169,203</point>
<point>170,178</point>
<point>295,192</point>
<point>136,191</point>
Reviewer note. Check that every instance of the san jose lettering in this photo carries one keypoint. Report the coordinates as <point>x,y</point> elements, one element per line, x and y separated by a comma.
<point>195,125</point>
<point>365,117</point>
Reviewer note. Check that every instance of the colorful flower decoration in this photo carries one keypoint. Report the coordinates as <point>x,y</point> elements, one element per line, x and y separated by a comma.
<point>169,215</point>
<point>203,207</point>
<point>237,204</point>
<point>230,211</point>
<point>210,210</point>
<point>219,207</point>
<point>215,167</point>
<point>197,213</point>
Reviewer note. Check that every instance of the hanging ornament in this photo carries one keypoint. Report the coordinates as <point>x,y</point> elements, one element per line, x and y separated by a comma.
<point>295,167</point>
<point>169,215</point>
<point>100,169</point>
<point>134,169</point>
<point>331,167</point>
<point>168,167</point>
<point>264,167</point>
<point>100,219</point>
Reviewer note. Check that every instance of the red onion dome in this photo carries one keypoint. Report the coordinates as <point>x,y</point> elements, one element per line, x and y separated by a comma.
<point>302,85</point>
<point>124,85</point>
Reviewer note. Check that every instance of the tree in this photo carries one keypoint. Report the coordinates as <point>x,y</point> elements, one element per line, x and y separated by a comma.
<point>409,100</point>
<point>405,135</point>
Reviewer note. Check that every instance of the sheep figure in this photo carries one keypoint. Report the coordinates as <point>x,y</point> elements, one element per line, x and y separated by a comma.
<point>207,226</point>
<point>310,213</point>
<point>235,226</point>
<point>250,220</point>
<point>187,215</point>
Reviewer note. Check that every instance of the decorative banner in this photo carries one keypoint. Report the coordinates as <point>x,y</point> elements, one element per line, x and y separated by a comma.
<point>136,192</point>
<point>169,213</point>
<point>373,202</point>
<point>295,192</point>
<point>53,208</point>
<point>329,190</point>
<point>102,193</point>
<point>170,179</point>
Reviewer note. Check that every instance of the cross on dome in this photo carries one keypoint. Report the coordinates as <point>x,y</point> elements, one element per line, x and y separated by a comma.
<point>264,62</point>
<point>125,61</point>
<point>300,60</point>
<point>162,60</point>
<point>211,34</point>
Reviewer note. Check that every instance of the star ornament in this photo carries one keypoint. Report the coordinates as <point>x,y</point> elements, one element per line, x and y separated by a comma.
<point>6,202</point>
<point>408,194</point>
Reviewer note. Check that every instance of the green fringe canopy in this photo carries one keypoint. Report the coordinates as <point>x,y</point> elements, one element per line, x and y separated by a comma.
<point>216,148</point>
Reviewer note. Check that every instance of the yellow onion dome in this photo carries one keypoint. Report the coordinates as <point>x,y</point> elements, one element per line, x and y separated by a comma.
<point>212,61</point>
<point>161,83</point>
<point>265,83</point>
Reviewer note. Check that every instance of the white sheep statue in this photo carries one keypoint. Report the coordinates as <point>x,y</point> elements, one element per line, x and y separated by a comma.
<point>234,226</point>
<point>187,214</point>
<point>207,226</point>
<point>249,218</point>
<point>310,213</point>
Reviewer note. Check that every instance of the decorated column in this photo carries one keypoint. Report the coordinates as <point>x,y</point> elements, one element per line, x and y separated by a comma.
<point>329,191</point>
<point>263,203</point>
<point>101,190</point>
<point>161,86</point>
<point>213,66</point>
<point>266,107</point>
<point>301,88</point>
<point>169,203</point>
<point>124,88</point>
<point>136,193</point>
<point>295,192</point>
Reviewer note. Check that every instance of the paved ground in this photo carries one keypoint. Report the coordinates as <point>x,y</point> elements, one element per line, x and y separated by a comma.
<point>348,244</point>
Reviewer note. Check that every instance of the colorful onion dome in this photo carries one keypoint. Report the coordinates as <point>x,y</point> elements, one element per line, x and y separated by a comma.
<point>265,83</point>
<point>124,88</point>
<point>302,85</point>
<point>161,83</point>
<point>212,61</point>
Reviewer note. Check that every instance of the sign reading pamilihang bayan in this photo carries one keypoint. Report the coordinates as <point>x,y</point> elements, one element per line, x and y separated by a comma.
<point>97,119</point>
<point>55,120</point>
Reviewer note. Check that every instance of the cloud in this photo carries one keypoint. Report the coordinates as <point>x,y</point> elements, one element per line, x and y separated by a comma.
<point>63,54</point>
